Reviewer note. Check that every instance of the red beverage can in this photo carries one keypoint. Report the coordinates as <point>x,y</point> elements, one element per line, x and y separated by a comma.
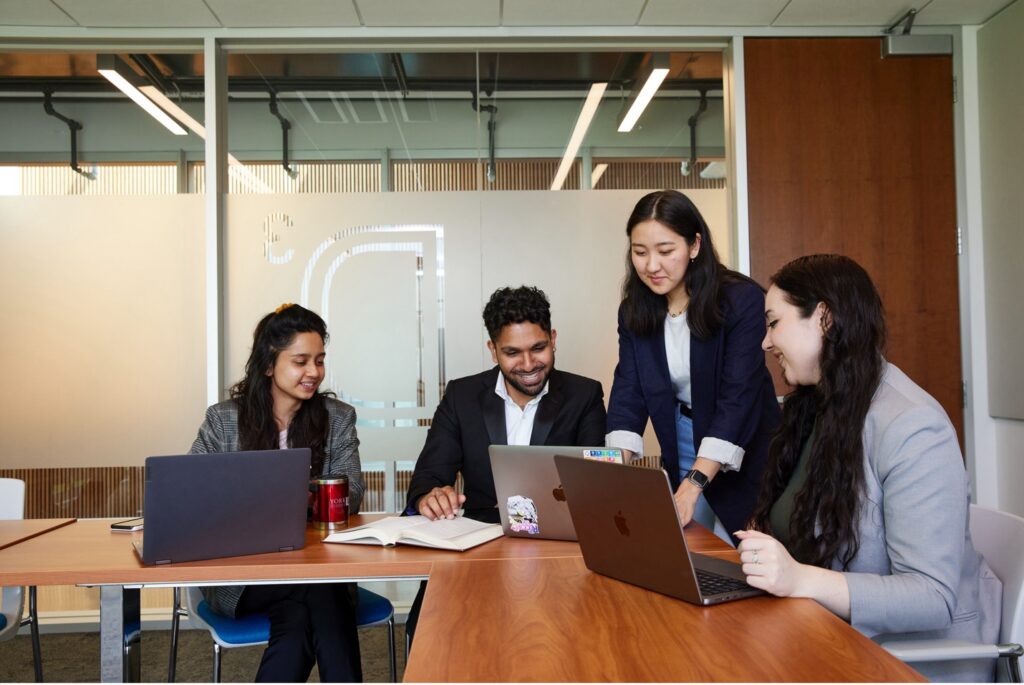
<point>330,503</point>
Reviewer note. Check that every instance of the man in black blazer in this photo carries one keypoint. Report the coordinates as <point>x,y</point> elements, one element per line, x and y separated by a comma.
<point>522,400</point>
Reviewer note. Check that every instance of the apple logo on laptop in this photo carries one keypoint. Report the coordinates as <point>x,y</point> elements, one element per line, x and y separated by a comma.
<point>559,493</point>
<point>620,523</point>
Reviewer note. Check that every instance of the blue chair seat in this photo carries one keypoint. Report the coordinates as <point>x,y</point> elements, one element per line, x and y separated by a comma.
<point>373,608</point>
<point>3,621</point>
<point>255,629</point>
<point>236,631</point>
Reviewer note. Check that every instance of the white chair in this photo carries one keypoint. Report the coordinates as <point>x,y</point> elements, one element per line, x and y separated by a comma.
<point>12,506</point>
<point>999,537</point>
<point>248,631</point>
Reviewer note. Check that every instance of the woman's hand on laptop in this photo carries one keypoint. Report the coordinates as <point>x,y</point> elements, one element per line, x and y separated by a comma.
<point>440,503</point>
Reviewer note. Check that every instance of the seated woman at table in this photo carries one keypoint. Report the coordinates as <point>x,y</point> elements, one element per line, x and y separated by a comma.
<point>864,505</point>
<point>278,405</point>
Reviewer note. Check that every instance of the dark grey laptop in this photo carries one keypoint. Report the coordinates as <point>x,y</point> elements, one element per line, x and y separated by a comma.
<point>204,506</point>
<point>628,528</point>
<point>531,502</point>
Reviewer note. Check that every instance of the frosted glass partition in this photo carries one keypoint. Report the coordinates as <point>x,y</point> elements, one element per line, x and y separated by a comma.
<point>402,279</point>
<point>102,349</point>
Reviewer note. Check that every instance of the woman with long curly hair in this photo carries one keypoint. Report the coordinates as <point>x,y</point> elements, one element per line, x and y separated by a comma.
<point>864,504</point>
<point>690,360</point>
<point>278,405</point>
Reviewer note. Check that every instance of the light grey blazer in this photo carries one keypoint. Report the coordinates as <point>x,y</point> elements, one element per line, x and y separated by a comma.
<point>219,433</point>
<point>917,574</point>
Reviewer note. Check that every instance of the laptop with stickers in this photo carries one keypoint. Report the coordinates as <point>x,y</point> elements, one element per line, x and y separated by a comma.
<point>531,502</point>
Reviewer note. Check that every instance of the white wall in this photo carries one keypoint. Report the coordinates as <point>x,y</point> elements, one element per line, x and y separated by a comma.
<point>1000,114</point>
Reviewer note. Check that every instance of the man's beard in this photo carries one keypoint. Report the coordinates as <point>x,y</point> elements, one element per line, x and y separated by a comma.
<point>512,380</point>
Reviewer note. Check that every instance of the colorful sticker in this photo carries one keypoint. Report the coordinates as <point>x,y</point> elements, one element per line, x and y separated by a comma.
<point>522,515</point>
<point>612,455</point>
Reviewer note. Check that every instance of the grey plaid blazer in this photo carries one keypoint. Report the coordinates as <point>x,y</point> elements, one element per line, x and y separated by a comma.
<point>219,433</point>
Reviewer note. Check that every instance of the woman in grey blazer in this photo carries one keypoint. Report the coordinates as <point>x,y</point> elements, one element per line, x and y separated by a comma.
<point>864,505</point>
<point>278,405</point>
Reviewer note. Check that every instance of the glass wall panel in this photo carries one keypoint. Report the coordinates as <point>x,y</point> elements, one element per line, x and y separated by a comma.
<point>101,267</point>
<point>467,148</point>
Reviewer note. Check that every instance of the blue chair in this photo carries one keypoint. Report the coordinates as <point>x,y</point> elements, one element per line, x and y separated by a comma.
<point>12,599</point>
<point>250,631</point>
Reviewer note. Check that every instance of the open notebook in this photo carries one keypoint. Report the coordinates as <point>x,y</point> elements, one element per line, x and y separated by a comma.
<point>457,534</point>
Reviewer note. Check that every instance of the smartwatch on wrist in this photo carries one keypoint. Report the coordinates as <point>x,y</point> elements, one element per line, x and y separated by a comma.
<point>697,478</point>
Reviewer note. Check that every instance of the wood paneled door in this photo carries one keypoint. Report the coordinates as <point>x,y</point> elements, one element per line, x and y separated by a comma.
<point>854,154</point>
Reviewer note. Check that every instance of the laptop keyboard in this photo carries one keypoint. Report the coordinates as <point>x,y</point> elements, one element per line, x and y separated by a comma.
<point>714,584</point>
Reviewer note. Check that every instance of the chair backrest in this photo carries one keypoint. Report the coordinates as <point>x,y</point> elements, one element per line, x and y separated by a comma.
<point>999,537</point>
<point>12,499</point>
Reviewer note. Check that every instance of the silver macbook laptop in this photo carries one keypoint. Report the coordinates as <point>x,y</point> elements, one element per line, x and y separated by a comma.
<point>530,498</point>
<point>205,506</point>
<point>628,528</point>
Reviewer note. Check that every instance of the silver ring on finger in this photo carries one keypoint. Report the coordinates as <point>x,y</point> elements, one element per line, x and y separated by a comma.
<point>755,558</point>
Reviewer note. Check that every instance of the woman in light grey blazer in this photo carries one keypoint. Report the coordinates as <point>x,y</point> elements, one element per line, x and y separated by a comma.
<point>864,506</point>
<point>278,405</point>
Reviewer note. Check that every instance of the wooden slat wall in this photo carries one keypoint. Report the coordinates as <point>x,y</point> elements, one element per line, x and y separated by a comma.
<point>536,174</point>
<point>81,492</point>
<point>115,491</point>
<point>310,177</point>
<point>642,175</point>
<point>104,179</point>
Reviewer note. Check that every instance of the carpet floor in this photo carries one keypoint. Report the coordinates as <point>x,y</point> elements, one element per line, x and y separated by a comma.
<point>74,657</point>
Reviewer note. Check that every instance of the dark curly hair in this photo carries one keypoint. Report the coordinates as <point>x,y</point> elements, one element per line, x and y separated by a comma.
<point>643,310</point>
<point>823,526</point>
<point>256,426</point>
<point>516,305</point>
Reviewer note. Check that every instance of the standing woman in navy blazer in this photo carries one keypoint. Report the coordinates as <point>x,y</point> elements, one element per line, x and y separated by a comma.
<point>690,360</point>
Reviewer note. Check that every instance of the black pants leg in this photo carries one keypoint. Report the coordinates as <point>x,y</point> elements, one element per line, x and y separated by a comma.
<point>308,624</point>
<point>414,613</point>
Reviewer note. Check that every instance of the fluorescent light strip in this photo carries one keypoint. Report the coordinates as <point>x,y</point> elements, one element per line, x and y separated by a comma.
<point>597,173</point>
<point>154,94</point>
<point>643,99</point>
<point>142,101</point>
<point>579,133</point>
<point>246,176</point>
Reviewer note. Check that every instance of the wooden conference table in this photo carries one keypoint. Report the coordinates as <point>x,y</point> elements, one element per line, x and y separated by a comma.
<point>509,610</point>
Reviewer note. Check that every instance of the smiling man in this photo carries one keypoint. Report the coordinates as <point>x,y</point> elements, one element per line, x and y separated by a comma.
<point>523,400</point>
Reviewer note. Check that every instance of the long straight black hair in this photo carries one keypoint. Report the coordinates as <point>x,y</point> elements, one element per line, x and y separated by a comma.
<point>823,525</point>
<point>644,310</point>
<point>257,428</point>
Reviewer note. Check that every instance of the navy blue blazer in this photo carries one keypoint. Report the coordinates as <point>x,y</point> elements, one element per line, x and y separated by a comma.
<point>732,395</point>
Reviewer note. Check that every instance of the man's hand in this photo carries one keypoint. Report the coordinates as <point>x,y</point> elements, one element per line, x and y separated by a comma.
<point>440,503</point>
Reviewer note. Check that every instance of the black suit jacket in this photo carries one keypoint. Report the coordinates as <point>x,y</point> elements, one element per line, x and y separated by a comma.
<point>471,417</point>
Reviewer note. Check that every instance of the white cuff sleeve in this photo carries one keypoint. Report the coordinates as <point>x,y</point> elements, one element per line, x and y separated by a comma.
<point>730,456</point>
<point>625,440</point>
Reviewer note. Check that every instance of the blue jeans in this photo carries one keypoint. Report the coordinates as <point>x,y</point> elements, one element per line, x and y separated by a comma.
<point>702,512</point>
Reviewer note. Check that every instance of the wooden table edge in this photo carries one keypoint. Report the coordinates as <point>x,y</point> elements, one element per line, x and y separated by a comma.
<point>59,523</point>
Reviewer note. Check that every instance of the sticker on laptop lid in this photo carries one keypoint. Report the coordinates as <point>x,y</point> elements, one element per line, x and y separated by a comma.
<point>613,455</point>
<point>522,515</point>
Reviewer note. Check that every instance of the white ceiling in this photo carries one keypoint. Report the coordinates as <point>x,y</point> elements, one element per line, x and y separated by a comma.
<point>215,14</point>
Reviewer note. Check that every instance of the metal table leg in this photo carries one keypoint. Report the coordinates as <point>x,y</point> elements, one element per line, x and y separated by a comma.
<point>120,632</point>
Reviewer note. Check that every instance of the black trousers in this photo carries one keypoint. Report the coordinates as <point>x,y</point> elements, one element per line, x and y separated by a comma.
<point>308,624</point>
<point>414,613</point>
